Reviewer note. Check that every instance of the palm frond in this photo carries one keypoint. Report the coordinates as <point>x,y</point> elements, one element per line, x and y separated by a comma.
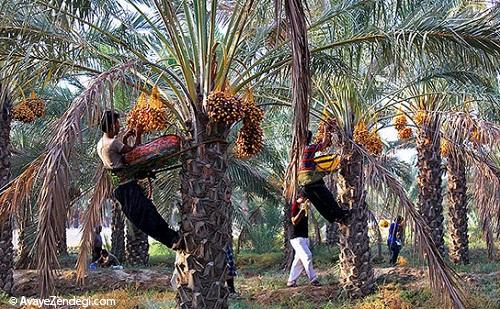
<point>18,191</point>
<point>55,170</point>
<point>442,278</point>
<point>301,89</point>
<point>92,219</point>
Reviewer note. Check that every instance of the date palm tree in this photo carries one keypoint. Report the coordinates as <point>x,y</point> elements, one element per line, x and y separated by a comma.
<point>7,256</point>
<point>457,207</point>
<point>204,140</point>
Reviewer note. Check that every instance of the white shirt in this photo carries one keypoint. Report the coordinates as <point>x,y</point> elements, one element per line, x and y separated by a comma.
<point>109,150</point>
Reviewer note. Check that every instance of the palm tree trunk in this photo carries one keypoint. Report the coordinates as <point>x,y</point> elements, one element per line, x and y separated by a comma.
<point>117,232</point>
<point>27,233</point>
<point>205,227</point>
<point>457,209</point>
<point>429,180</point>
<point>332,229</point>
<point>378,235</point>
<point>6,247</point>
<point>137,249</point>
<point>317,229</point>
<point>287,232</point>
<point>356,272</point>
<point>489,239</point>
<point>332,234</point>
<point>62,246</point>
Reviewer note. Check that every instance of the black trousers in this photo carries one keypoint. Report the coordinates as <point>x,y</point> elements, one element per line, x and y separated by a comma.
<point>143,214</point>
<point>394,248</point>
<point>324,201</point>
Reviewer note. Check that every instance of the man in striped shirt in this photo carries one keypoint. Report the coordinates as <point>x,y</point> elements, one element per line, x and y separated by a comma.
<point>312,184</point>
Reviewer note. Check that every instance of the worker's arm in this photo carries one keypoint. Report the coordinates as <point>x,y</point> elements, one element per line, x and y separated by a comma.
<point>296,219</point>
<point>326,136</point>
<point>126,148</point>
<point>138,135</point>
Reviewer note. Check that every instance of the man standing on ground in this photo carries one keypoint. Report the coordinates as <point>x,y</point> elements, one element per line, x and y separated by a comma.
<point>97,244</point>
<point>394,240</point>
<point>300,243</point>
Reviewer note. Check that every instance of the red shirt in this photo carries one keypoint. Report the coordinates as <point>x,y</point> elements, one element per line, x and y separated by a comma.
<point>307,161</point>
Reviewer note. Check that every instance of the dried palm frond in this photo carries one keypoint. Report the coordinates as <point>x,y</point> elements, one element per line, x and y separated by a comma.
<point>301,88</point>
<point>459,128</point>
<point>92,219</point>
<point>442,278</point>
<point>19,190</point>
<point>55,170</point>
<point>478,131</point>
<point>487,195</point>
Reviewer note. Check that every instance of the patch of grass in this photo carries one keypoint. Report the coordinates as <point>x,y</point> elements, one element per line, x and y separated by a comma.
<point>160,255</point>
<point>325,256</point>
<point>132,298</point>
<point>246,261</point>
<point>417,297</point>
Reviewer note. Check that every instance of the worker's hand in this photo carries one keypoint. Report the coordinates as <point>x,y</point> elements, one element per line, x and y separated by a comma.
<point>140,129</point>
<point>305,206</point>
<point>332,123</point>
<point>129,133</point>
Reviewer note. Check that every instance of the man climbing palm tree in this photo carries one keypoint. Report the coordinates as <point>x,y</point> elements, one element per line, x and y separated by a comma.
<point>136,206</point>
<point>312,184</point>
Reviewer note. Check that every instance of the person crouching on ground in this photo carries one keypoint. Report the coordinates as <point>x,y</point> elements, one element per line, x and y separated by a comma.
<point>394,240</point>
<point>300,242</point>
<point>107,259</point>
<point>136,206</point>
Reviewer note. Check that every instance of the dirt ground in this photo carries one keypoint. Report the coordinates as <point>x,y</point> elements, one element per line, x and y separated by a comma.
<point>390,281</point>
<point>26,282</point>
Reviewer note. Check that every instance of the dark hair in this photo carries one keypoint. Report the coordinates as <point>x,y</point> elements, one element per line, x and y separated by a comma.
<point>108,120</point>
<point>399,219</point>
<point>104,252</point>
<point>309,136</point>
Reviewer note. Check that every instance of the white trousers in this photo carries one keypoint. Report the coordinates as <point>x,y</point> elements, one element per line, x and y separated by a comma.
<point>302,260</point>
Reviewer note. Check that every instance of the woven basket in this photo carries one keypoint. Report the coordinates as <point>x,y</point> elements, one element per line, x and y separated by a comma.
<point>156,154</point>
<point>327,163</point>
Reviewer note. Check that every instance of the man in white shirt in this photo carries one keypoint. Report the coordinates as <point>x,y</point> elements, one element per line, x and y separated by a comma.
<point>136,206</point>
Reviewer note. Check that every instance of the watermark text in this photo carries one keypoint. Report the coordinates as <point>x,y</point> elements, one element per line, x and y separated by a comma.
<point>56,302</point>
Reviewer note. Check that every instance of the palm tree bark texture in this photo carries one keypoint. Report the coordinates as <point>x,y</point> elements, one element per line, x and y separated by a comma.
<point>137,248</point>
<point>332,229</point>
<point>205,226</point>
<point>287,230</point>
<point>457,208</point>
<point>356,272</point>
<point>429,181</point>
<point>6,247</point>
